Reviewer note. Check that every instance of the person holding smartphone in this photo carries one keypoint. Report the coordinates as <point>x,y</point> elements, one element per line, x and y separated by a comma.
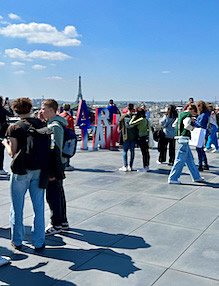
<point>3,128</point>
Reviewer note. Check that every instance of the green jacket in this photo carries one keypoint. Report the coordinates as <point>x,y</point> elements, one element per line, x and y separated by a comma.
<point>142,124</point>
<point>182,131</point>
<point>128,134</point>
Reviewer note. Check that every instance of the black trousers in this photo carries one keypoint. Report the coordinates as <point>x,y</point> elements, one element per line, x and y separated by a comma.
<point>2,149</point>
<point>143,144</point>
<point>163,149</point>
<point>55,197</point>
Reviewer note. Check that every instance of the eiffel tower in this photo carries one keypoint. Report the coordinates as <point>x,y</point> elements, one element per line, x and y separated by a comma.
<point>79,96</point>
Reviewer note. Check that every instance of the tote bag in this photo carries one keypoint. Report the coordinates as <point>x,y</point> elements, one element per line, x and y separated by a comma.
<point>197,137</point>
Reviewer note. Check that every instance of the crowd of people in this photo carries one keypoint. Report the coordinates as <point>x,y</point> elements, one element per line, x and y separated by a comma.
<point>134,128</point>
<point>47,175</point>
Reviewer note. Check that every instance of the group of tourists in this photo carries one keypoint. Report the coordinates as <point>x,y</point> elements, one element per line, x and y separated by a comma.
<point>134,128</point>
<point>38,172</point>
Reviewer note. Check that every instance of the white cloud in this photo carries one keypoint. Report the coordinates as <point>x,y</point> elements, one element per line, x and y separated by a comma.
<point>1,18</point>
<point>165,72</point>
<point>40,33</point>
<point>36,54</point>
<point>19,72</point>
<point>5,22</point>
<point>2,64</point>
<point>14,16</point>
<point>38,67</point>
<point>55,77</point>
<point>17,64</point>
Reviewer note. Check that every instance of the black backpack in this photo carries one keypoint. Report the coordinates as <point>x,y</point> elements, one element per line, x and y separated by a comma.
<point>69,143</point>
<point>37,151</point>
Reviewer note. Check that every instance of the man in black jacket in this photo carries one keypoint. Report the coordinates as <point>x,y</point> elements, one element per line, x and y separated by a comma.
<point>3,127</point>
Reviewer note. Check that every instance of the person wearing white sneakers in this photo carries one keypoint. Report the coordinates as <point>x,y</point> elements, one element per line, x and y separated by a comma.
<point>128,136</point>
<point>184,156</point>
<point>142,123</point>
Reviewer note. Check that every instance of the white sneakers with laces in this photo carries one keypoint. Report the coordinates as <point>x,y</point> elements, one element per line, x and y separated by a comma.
<point>146,169</point>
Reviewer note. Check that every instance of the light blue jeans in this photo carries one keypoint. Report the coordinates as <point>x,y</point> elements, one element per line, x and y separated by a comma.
<point>19,186</point>
<point>126,147</point>
<point>184,156</point>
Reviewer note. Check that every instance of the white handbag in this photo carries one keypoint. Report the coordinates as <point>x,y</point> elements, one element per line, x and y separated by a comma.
<point>197,137</point>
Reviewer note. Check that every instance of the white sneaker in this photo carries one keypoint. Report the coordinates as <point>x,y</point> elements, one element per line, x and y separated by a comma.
<point>158,162</point>
<point>3,172</point>
<point>123,169</point>
<point>129,169</point>
<point>4,260</point>
<point>176,182</point>
<point>200,180</point>
<point>208,150</point>
<point>215,151</point>
<point>69,168</point>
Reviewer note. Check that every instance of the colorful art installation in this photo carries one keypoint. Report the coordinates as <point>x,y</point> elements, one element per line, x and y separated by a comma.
<point>83,121</point>
<point>105,135</point>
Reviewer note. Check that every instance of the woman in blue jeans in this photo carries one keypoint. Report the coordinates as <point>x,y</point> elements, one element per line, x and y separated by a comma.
<point>183,127</point>
<point>23,179</point>
<point>202,122</point>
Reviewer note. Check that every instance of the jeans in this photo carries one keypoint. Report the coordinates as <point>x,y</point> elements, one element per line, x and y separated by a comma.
<point>55,197</point>
<point>143,143</point>
<point>2,149</point>
<point>184,156</point>
<point>212,138</point>
<point>163,150</point>
<point>201,157</point>
<point>126,147</point>
<point>19,186</point>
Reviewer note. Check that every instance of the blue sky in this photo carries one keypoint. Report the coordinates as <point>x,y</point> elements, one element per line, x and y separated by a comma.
<point>148,50</point>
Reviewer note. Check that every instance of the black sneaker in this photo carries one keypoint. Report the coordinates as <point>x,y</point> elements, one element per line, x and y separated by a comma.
<point>65,226</point>
<point>200,168</point>
<point>206,167</point>
<point>17,247</point>
<point>38,249</point>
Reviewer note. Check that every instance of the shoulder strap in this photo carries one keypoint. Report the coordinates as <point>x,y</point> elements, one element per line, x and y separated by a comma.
<point>22,125</point>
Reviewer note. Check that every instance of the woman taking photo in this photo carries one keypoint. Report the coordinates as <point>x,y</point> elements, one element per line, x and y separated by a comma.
<point>169,132</point>
<point>143,127</point>
<point>202,122</point>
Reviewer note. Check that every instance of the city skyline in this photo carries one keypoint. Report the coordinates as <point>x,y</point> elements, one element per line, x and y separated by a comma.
<point>162,50</point>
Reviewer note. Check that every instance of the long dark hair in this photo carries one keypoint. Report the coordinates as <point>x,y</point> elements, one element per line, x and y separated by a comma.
<point>171,111</point>
<point>201,106</point>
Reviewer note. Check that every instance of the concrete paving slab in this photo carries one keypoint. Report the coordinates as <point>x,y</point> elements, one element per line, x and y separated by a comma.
<point>189,215</point>
<point>214,228</point>
<point>204,196</point>
<point>201,258</point>
<point>141,206</point>
<point>99,200</point>
<point>108,269</point>
<point>103,230</point>
<point>173,278</point>
<point>166,243</point>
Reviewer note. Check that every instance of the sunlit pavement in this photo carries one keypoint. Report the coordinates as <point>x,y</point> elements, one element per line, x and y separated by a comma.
<point>126,228</point>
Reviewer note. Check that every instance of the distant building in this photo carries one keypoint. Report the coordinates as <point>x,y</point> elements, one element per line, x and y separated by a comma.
<point>79,96</point>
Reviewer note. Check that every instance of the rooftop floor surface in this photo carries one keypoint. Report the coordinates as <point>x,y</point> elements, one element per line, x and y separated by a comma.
<point>126,228</point>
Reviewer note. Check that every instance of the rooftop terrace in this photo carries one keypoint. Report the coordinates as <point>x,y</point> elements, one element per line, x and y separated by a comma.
<point>126,228</point>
